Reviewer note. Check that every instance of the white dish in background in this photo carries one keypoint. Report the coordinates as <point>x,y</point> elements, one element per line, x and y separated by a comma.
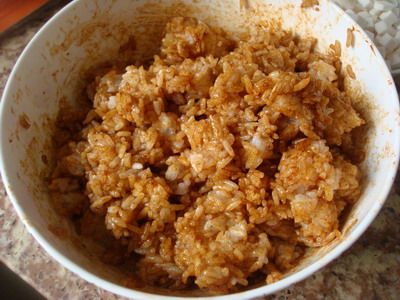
<point>381,21</point>
<point>78,38</point>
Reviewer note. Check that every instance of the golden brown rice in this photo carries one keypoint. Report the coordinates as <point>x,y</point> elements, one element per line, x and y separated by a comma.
<point>218,164</point>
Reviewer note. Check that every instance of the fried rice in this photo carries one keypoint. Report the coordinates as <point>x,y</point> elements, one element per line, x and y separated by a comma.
<point>220,162</point>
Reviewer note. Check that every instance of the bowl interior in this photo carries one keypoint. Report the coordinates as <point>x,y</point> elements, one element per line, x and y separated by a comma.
<point>88,34</point>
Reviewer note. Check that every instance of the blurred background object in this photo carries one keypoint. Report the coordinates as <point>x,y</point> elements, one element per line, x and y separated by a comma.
<point>12,11</point>
<point>380,20</point>
<point>13,287</point>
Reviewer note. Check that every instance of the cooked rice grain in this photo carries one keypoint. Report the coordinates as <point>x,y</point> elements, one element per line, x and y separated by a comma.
<point>220,161</point>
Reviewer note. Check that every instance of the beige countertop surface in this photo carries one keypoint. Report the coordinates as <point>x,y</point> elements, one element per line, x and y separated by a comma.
<point>370,269</point>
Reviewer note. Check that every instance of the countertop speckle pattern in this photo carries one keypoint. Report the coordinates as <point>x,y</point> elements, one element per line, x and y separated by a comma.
<point>369,270</point>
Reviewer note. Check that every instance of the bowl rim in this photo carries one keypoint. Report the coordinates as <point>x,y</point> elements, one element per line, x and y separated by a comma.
<point>264,290</point>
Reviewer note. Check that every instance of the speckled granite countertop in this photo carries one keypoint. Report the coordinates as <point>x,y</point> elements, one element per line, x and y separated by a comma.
<point>369,270</point>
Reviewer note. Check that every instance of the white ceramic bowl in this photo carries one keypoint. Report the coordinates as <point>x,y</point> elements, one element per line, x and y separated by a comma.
<point>88,33</point>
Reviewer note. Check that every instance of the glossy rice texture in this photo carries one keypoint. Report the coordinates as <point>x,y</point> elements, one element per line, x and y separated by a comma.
<point>216,165</point>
